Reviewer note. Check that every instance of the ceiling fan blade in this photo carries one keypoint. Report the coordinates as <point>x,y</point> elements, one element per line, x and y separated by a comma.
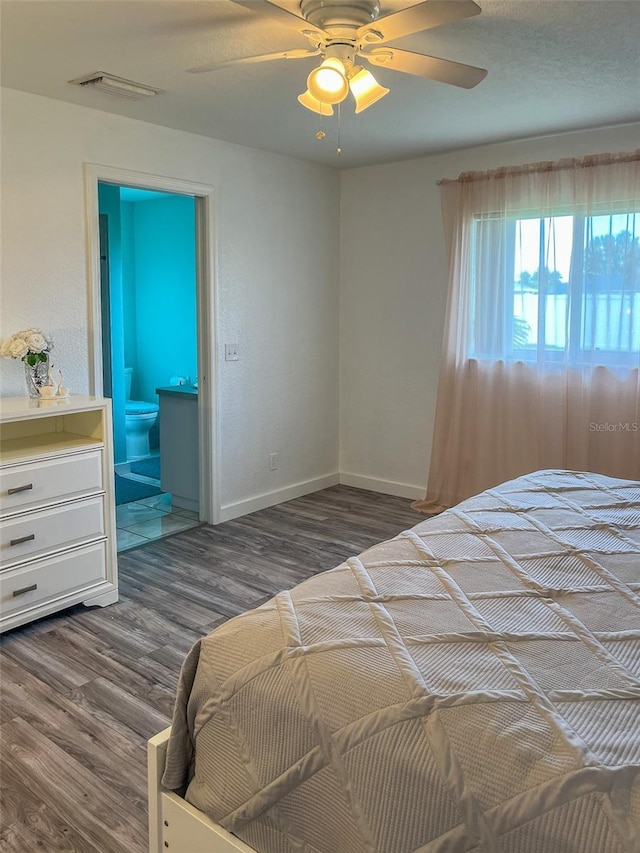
<point>415,19</point>
<point>248,60</point>
<point>443,70</point>
<point>280,15</point>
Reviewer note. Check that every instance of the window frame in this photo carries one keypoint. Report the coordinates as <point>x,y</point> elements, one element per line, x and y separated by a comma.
<point>574,352</point>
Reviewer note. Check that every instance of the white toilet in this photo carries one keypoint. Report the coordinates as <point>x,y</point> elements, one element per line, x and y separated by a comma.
<point>139,418</point>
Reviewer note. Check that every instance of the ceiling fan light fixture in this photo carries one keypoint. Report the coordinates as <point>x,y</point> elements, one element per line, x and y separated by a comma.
<point>328,82</point>
<point>366,90</point>
<point>307,100</point>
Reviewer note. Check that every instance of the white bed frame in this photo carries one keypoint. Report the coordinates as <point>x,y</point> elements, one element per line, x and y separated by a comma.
<point>175,826</point>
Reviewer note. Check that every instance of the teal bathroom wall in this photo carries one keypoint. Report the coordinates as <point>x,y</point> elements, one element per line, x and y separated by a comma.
<point>128,284</point>
<point>165,292</point>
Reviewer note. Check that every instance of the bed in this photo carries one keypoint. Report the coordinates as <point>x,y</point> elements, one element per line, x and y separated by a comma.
<point>471,686</point>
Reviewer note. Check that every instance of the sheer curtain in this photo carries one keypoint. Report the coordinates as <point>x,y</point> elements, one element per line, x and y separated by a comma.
<point>541,354</point>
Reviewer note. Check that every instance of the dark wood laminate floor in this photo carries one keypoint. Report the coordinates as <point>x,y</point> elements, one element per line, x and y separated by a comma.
<point>82,691</point>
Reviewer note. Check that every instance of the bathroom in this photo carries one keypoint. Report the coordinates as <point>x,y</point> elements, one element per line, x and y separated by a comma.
<point>148,301</point>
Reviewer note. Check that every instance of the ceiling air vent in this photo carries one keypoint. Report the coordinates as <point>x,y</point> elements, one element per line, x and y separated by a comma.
<point>117,86</point>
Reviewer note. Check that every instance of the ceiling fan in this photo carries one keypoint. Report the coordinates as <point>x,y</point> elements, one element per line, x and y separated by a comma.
<point>344,32</point>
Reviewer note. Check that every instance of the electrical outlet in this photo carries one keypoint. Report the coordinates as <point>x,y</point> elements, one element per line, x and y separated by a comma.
<point>231,352</point>
<point>273,461</point>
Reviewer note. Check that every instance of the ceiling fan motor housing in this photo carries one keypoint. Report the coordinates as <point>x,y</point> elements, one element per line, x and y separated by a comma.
<point>347,15</point>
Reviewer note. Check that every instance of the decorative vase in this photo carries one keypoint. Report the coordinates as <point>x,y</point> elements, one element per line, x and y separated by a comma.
<point>36,375</point>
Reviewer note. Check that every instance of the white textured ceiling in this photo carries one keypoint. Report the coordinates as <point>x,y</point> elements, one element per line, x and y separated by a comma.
<point>553,66</point>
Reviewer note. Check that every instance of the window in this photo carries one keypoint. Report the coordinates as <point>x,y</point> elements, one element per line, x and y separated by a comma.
<point>542,332</point>
<point>568,290</point>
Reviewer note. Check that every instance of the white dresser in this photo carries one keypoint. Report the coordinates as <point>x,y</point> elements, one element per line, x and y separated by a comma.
<point>57,511</point>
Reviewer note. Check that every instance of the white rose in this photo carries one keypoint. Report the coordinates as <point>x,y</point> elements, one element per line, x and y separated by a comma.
<point>18,348</point>
<point>36,341</point>
<point>4,348</point>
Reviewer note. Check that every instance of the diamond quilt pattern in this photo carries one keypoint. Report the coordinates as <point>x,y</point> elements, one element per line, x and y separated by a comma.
<point>471,686</point>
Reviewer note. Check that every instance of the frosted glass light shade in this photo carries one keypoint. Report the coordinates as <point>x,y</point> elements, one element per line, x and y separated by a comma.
<point>366,89</point>
<point>307,100</point>
<point>328,82</point>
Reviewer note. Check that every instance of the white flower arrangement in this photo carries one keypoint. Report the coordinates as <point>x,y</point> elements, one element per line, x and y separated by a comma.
<point>31,345</point>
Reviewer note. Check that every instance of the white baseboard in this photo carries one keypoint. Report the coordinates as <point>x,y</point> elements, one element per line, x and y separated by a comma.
<point>387,487</point>
<point>234,510</point>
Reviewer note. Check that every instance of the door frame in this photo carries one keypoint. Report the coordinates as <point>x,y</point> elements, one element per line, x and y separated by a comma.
<point>206,302</point>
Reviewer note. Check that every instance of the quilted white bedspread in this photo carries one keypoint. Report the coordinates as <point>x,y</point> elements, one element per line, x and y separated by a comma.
<point>471,685</point>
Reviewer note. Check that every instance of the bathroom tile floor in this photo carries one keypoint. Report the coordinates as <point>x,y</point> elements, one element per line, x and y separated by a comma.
<point>151,518</point>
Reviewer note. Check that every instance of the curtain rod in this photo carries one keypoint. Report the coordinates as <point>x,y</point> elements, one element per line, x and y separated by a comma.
<point>544,166</point>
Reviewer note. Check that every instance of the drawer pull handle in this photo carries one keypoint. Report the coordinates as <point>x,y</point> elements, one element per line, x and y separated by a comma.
<point>23,539</point>
<point>24,589</point>
<point>17,489</point>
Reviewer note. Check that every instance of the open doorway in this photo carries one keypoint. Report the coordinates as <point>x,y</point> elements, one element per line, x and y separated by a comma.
<point>153,345</point>
<point>149,358</point>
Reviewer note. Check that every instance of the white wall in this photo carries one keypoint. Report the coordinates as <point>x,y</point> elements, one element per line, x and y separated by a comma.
<point>278,278</point>
<point>393,297</point>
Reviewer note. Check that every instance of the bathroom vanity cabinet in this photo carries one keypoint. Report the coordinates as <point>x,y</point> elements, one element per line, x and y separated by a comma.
<point>57,509</point>
<point>179,445</point>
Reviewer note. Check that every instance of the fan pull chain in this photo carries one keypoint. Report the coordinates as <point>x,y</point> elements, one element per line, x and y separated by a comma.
<point>320,135</point>
<point>339,149</point>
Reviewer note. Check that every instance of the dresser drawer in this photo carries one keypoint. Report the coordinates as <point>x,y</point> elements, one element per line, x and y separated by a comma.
<point>37,483</point>
<point>40,531</point>
<point>37,582</point>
